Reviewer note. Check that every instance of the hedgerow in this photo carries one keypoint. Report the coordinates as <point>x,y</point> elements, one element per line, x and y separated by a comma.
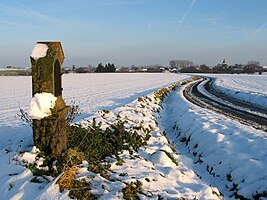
<point>94,144</point>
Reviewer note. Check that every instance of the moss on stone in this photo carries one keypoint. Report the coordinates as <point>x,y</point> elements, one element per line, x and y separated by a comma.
<point>49,134</point>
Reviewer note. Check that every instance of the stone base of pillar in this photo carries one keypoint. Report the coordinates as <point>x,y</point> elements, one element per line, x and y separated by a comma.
<point>49,134</point>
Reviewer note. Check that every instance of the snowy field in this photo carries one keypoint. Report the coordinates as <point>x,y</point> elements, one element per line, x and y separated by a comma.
<point>214,153</point>
<point>92,92</point>
<point>249,88</point>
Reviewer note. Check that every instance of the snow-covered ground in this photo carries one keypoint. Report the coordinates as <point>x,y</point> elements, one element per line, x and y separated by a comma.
<point>249,88</point>
<point>94,92</point>
<point>157,172</point>
<point>91,92</point>
<point>210,149</point>
<point>227,154</point>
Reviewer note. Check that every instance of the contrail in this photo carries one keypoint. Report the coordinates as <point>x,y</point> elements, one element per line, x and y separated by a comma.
<point>187,12</point>
<point>261,28</point>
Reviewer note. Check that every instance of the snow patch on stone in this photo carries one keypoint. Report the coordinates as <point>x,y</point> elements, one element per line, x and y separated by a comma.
<point>39,51</point>
<point>41,105</point>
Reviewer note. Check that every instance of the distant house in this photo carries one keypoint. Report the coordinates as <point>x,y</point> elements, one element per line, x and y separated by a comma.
<point>123,70</point>
<point>162,69</point>
<point>144,70</point>
<point>82,70</point>
<point>174,70</point>
<point>238,68</point>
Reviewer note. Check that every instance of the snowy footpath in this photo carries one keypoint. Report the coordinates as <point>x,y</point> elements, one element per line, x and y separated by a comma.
<point>225,153</point>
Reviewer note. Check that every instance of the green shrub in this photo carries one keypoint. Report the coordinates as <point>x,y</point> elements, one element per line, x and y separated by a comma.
<point>119,162</point>
<point>95,144</point>
<point>130,192</point>
<point>80,189</point>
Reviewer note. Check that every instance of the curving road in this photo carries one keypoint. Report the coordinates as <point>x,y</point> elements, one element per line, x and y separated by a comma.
<point>204,95</point>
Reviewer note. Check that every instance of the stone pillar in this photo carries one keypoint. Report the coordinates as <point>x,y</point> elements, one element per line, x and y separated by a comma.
<point>49,133</point>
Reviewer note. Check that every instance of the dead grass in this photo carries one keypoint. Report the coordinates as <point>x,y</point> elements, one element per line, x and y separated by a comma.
<point>67,178</point>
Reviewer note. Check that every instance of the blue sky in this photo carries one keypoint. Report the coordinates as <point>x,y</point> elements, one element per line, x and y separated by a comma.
<point>139,32</point>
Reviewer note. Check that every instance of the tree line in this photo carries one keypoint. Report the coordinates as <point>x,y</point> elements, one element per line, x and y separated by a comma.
<point>110,67</point>
<point>224,69</point>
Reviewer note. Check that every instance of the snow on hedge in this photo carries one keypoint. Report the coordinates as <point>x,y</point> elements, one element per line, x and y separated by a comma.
<point>41,105</point>
<point>39,51</point>
<point>162,172</point>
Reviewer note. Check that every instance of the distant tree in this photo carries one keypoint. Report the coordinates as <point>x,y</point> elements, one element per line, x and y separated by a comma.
<point>223,69</point>
<point>180,64</point>
<point>191,69</point>
<point>90,67</point>
<point>107,68</point>
<point>112,68</point>
<point>172,64</point>
<point>255,63</point>
<point>134,68</point>
<point>73,68</point>
<point>82,70</point>
<point>249,69</point>
<point>100,68</point>
<point>204,68</point>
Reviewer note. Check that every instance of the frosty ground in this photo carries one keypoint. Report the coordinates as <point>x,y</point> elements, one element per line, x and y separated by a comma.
<point>210,149</point>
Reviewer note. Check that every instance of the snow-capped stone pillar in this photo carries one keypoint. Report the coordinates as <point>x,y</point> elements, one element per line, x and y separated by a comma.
<point>48,109</point>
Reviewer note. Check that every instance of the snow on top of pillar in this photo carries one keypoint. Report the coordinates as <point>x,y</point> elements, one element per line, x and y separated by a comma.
<point>41,105</point>
<point>39,51</point>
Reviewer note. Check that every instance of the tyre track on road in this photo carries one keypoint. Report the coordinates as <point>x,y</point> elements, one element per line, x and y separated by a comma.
<point>192,94</point>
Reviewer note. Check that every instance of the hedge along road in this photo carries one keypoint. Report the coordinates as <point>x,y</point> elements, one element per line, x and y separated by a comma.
<point>202,93</point>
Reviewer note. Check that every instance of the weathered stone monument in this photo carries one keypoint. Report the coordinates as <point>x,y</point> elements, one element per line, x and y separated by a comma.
<point>49,130</point>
